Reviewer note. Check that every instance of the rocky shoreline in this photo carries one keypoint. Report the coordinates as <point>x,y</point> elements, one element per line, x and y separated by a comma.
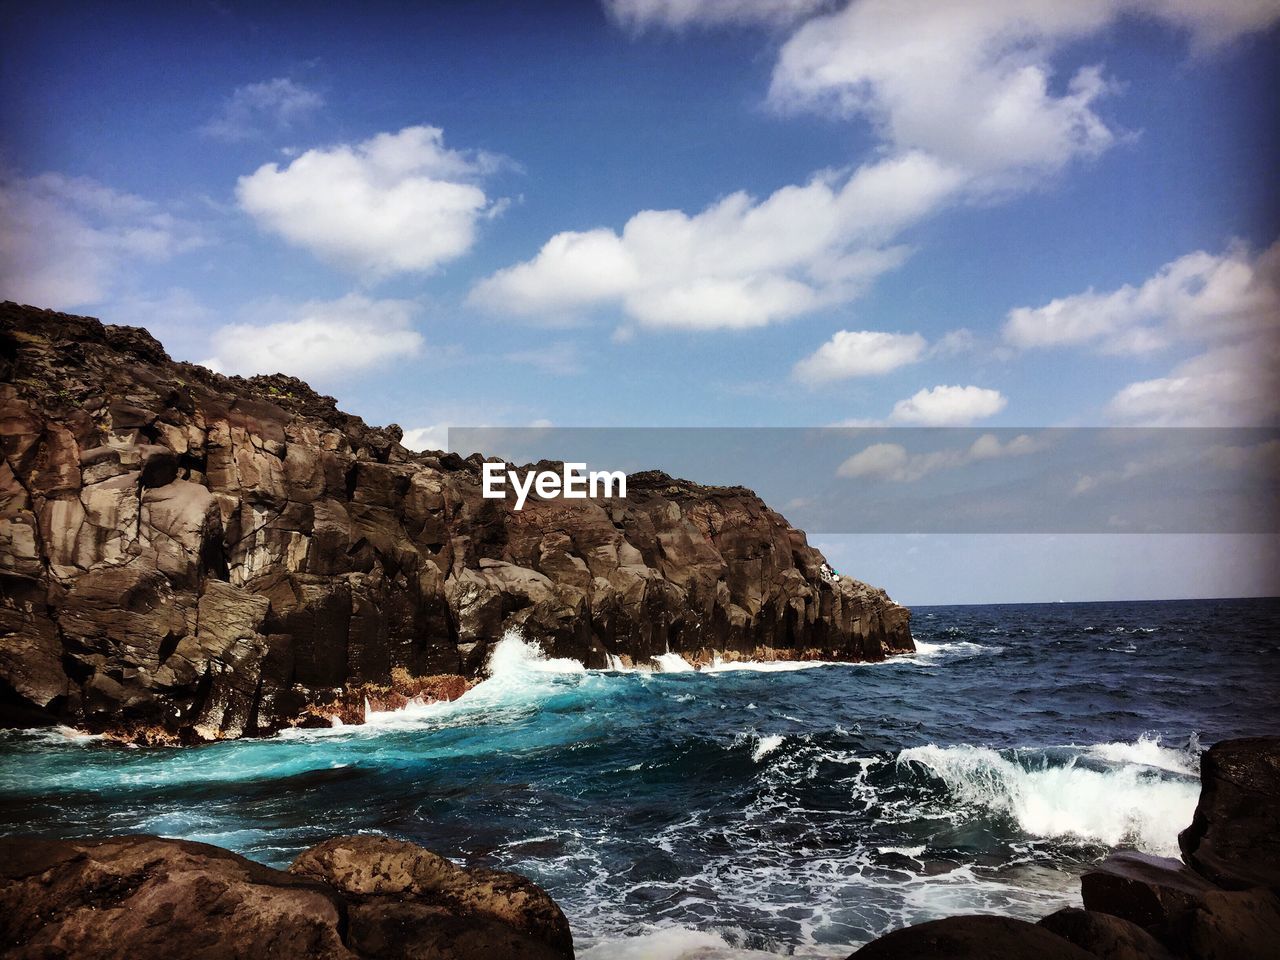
<point>1221,902</point>
<point>374,897</point>
<point>351,897</point>
<point>187,557</point>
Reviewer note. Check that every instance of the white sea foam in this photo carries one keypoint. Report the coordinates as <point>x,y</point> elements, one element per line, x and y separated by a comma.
<point>513,655</point>
<point>672,663</point>
<point>766,746</point>
<point>1146,751</point>
<point>933,652</point>
<point>766,666</point>
<point>1129,802</point>
<point>672,943</point>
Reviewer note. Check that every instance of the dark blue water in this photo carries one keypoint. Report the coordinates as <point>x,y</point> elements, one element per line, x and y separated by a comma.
<point>789,811</point>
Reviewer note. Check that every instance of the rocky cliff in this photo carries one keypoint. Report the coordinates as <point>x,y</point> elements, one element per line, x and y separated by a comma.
<point>210,556</point>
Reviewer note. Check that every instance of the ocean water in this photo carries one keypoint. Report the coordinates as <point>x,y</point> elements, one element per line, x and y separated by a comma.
<point>784,809</point>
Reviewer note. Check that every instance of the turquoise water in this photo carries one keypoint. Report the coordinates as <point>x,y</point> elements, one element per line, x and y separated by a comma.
<point>782,810</point>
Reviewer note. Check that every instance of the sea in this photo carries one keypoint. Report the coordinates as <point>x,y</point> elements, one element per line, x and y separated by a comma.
<point>743,810</point>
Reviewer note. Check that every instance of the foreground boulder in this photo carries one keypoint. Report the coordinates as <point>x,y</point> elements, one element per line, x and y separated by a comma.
<point>972,938</point>
<point>352,897</point>
<point>1105,936</point>
<point>1234,838</point>
<point>196,556</point>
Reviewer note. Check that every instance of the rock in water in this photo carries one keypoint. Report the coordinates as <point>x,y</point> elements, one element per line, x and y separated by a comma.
<point>188,555</point>
<point>1234,838</point>
<point>352,897</point>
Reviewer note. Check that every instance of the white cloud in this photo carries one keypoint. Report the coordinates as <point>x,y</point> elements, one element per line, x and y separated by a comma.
<point>320,340</point>
<point>1236,385</point>
<point>860,353</point>
<point>1227,305</point>
<point>68,241</point>
<point>432,437</point>
<point>258,108</point>
<point>435,436</point>
<point>878,460</point>
<point>973,83</point>
<point>1200,296</point>
<point>679,14</point>
<point>396,203</point>
<point>947,406</point>
<point>740,263</point>
<point>891,461</point>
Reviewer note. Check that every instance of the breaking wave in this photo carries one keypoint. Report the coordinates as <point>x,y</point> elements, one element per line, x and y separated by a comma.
<point>1114,793</point>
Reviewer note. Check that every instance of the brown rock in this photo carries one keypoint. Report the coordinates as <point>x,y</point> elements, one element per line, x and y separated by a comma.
<point>137,488</point>
<point>1156,893</point>
<point>134,897</point>
<point>1234,838</point>
<point>1105,936</point>
<point>389,877</point>
<point>354,898</point>
<point>972,938</point>
<point>1235,925</point>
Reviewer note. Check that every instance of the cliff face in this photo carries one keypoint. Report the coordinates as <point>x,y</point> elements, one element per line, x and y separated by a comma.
<point>215,556</point>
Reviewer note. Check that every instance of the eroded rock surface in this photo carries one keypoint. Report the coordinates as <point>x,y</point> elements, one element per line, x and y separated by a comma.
<point>351,898</point>
<point>189,555</point>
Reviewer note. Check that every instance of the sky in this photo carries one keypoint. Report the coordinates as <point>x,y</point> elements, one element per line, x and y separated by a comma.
<point>1009,213</point>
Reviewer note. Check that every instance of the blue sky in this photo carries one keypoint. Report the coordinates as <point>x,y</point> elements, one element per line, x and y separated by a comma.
<point>665,212</point>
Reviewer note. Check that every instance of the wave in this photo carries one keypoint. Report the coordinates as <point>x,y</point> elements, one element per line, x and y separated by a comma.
<point>1147,751</point>
<point>766,746</point>
<point>672,943</point>
<point>672,663</point>
<point>932,652</point>
<point>1109,793</point>
<point>769,666</point>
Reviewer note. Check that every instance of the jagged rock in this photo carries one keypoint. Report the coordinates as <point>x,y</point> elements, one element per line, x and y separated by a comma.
<point>393,885</point>
<point>1105,936</point>
<point>1234,838</point>
<point>141,500</point>
<point>350,898</point>
<point>972,938</point>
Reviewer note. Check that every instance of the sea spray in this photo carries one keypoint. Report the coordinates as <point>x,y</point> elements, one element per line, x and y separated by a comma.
<point>672,663</point>
<point>1120,803</point>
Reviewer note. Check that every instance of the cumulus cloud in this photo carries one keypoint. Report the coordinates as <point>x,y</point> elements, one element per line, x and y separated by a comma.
<point>396,203</point>
<point>680,14</point>
<point>740,263</point>
<point>1228,386</point>
<point>973,83</point>
<point>860,353</point>
<point>1226,305</point>
<point>260,108</point>
<point>319,340</point>
<point>892,461</point>
<point>68,241</point>
<point>1199,296</point>
<point>947,406</point>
